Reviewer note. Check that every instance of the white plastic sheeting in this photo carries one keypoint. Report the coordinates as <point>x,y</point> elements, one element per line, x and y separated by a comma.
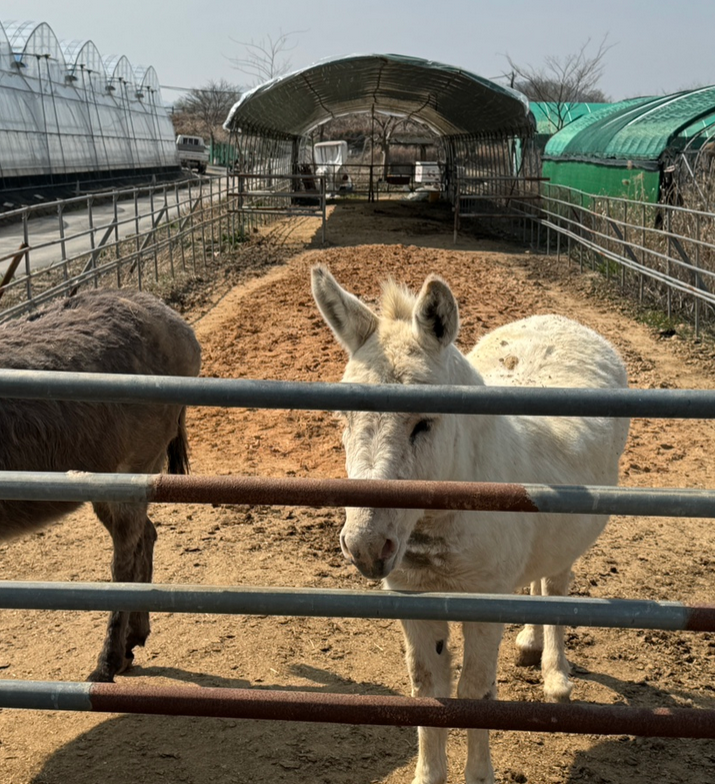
<point>65,110</point>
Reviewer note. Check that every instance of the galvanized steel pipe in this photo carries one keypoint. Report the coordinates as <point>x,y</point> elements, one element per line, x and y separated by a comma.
<point>400,494</point>
<point>326,603</point>
<point>354,709</point>
<point>248,393</point>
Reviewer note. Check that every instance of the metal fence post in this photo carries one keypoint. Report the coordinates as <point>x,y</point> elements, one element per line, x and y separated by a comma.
<point>212,215</point>
<point>63,244</point>
<point>191,229</point>
<point>180,234</point>
<point>669,299</point>
<point>90,217</point>
<point>202,221</point>
<point>115,213</point>
<point>168,233</point>
<point>323,208</point>
<point>697,276</point>
<point>138,241</point>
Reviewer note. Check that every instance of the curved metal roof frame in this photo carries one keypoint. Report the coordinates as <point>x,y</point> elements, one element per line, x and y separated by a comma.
<point>550,114</point>
<point>639,129</point>
<point>6,56</point>
<point>31,42</point>
<point>146,78</point>
<point>89,60</point>
<point>449,100</point>
<point>119,69</point>
<point>22,43</point>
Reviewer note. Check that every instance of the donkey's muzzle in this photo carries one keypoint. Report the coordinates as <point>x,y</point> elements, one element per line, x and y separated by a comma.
<point>374,559</point>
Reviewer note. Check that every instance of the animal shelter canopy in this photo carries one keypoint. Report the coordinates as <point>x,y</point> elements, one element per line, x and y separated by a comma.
<point>450,100</point>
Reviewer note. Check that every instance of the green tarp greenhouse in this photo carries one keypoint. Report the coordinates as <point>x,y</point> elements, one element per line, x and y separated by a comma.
<point>623,149</point>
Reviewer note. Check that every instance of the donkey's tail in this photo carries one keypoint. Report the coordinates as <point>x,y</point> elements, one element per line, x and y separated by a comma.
<point>178,450</point>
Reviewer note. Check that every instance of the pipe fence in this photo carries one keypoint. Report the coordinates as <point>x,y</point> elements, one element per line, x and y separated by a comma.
<point>354,709</point>
<point>323,396</point>
<point>662,255</point>
<point>145,237</point>
<point>271,705</point>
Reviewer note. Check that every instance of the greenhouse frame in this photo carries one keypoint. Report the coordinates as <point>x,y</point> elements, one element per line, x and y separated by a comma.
<point>67,113</point>
<point>476,121</point>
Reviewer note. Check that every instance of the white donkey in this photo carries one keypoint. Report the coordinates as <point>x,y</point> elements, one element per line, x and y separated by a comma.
<point>412,342</point>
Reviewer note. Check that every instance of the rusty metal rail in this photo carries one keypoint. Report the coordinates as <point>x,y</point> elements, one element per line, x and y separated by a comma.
<point>352,709</point>
<point>401,494</point>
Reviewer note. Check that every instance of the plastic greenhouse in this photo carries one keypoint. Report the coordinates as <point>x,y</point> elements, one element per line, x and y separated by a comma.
<point>67,113</point>
<point>551,117</point>
<point>645,148</point>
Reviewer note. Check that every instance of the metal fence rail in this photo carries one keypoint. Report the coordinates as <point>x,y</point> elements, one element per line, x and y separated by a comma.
<point>662,254</point>
<point>335,603</point>
<point>248,393</point>
<point>262,704</point>
<point>307,602</point>
<point>401,494</point>
<point>143,236</point>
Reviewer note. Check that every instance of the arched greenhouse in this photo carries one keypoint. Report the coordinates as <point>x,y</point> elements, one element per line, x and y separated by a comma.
<point>650,149</point>
<point>67,113</point>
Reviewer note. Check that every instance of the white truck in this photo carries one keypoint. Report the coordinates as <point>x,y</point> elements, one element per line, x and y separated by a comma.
<point>192,152</point>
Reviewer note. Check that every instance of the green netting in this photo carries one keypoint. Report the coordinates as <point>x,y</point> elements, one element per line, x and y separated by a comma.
<point>600,180</point>
<point>637,130</point>
<point>552,116</point>
<point>568,140</point>
<point>704,128</point>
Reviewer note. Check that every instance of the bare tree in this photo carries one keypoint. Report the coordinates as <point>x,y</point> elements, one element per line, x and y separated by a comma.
<point>563,80</point>
<point>266,59</point>
<point>204,109</point>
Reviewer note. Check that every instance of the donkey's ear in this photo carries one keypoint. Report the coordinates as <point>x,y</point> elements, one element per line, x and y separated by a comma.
<point>435,316</point>
<point>352,321</point>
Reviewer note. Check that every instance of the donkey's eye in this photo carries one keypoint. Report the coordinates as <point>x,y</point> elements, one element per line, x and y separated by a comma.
<point>423,426</point>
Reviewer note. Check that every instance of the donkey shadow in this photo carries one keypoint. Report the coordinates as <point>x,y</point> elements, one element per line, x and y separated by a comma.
<point>350,222</point>
<point>644,760</point>
<point>153,749</point>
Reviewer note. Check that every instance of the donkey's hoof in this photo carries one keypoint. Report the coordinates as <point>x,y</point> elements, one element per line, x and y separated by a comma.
<point>100,675</point>
<point>558,689</point>
<point>127,663</point>
<point>527,657</point>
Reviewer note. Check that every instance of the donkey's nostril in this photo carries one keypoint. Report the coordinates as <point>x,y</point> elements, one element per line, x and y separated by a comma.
<point>388,549</point>
<point>344,548</point>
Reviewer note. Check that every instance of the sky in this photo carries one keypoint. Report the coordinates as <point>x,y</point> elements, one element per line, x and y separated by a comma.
<point>656,47</point>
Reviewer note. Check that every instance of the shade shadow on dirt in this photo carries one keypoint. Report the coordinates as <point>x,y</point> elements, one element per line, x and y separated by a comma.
<point>352,222</point>
<point>152,749</point>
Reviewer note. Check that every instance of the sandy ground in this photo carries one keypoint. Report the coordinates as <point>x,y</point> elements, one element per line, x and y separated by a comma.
<point>269,328</point>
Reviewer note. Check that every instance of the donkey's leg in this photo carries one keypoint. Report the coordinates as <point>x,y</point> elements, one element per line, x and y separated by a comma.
<point>428,662</point>
<point>479,682</point>
<point>139,627</point>
<point>530,640</point>
<point>554,665</point>
<point>126,524</point>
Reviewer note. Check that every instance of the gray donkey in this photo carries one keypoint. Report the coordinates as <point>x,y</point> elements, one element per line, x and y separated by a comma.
<point>100,332</point>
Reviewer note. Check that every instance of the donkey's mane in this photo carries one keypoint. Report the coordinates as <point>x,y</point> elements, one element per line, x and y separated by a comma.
<point>397,302</point>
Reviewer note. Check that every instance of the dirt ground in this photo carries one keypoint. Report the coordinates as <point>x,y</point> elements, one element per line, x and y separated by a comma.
<point>268,327</point>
